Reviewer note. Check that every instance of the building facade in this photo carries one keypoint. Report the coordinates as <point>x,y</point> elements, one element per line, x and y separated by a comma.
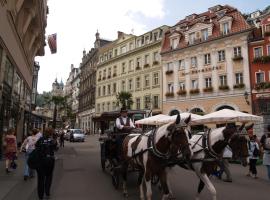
<point>22,37</point>
<point>132,64</point>
<point>259,55</point>
<point>87,86</point>
<point>206,64</point>
<point>34,84</point>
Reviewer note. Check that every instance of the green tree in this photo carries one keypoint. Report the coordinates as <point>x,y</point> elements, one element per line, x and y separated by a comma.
<point>124,99</point>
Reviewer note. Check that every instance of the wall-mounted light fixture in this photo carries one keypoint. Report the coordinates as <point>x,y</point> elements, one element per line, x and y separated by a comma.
<point>246,97</point>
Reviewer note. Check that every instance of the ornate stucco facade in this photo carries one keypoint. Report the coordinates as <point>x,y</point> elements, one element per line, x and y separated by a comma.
<point>205,63</point>
<point>131,63</point>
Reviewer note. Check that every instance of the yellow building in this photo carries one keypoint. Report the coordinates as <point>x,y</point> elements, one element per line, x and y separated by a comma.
<point>131,63</point>
<point>205,63</point>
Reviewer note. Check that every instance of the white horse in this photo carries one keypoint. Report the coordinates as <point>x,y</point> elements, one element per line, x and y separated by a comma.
<point>151,152</point>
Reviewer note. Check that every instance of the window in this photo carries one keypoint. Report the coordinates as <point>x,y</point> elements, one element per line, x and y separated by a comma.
<point>108,106</point>
<point>123,68</point>
<point>147,102</point>
<point>8,78</point>
<point>99,75</point>
<point>99,91</point>
<point>123,85</point>
<point>208,82</point>
<point>131,46</point>
<point>130,84</point>
<point>109,72</point>
<point>155,102</point>
<point>155,36</point>
<point>98,107</point>
<point>115,52</point>
<point>174,43</point>
<point>114,87</point>
<point>207,59</point>
<point>115,70</point>
<point>104,73</point>
<point>138,103</point>
<point>267,28</point>
<point>138,43</point>
<point>113,106</point>
<point>170,66</point>
<point>131,65</point>
<point>238,78</point>
<point>109,89</point>
<point>138,83</point>
<point>155,56</point>
<point>191,38</point>
<point>221,55</point>
<point>237,51</point>
<point>155,79</point>
<point>181,64</point>
<point>146,39</point>
<point>259,77</point>
<point>123,49</point>
<point>223,80</point>
<point>104,90</point>
<point>204,34</point>
<point>170,87</point>
<point>268,50</point>
<point>146,59</point>
<point>194,84</point>
<point>103,107</point>
<point>193,62</point>
<point>225,28</point>
<point>138,62</point>
<point>146,81</point>
<point>258,52</point>
<point>182,86</point>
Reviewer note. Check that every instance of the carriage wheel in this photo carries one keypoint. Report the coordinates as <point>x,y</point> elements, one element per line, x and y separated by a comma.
<point>115,179</point>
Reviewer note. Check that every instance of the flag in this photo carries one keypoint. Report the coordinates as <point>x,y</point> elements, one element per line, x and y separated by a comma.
<point>52,43</point>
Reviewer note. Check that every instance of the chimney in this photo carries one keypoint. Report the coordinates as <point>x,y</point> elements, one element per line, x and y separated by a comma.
<point>120,34</point>
<point>72,67</point>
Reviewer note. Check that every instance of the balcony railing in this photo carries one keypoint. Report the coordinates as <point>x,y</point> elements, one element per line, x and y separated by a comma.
<point>262,59</point>
<point>237,58</point>
<point>169,94</point>
<point>262,86</point>
<point>239,86</point>
<point>181,92</point>
<point>208,89</point>
<point>168,72</point>
<point>224,87</point>
<point>194,91</point>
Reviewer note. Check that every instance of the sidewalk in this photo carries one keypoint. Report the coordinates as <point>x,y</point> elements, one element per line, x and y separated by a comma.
<point>12,185</point>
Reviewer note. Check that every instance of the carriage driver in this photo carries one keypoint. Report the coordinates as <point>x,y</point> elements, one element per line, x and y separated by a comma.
<point>123,123</point>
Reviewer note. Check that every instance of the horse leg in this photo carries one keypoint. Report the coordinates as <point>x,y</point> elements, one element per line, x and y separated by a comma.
<point>148,185</point>
<point>200,188</point>
<point>168,182</point>
<point>124,175</point>
<point>163,182</point>
<point>140,183</point>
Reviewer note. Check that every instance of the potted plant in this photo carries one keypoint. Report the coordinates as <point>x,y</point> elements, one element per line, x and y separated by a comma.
<point>168,72</point>
<point>208,89</point>
<point>169,94</point>
<point>194,91</point>
<point>239,86</point>
<point>224,87</point>
<point>181,92</point>
<point>155,62</point>
<point>146,65</point>
<point>237,58</point>
<point>138,68</point>
<point>109,76</point>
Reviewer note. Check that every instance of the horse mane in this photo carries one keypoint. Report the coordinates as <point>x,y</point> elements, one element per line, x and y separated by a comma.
<point>162,131</point>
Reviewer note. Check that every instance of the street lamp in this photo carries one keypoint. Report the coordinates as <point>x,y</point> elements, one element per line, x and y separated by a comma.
<point>246,97</point>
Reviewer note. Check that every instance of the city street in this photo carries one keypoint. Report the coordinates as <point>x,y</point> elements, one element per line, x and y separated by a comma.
<point>78,176</point>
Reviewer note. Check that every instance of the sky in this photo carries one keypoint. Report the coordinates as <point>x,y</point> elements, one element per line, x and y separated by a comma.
<point>76,23</point>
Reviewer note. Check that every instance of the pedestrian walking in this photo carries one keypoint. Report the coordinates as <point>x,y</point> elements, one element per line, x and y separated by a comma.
<point>45,147</point>
<point>265,142</point>
<point>253,148</point>
<point>27,147</point>
<point>62,139</point>
<point>10,143</point>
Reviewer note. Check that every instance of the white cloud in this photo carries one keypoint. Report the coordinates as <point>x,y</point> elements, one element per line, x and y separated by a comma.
<point>77,23</point>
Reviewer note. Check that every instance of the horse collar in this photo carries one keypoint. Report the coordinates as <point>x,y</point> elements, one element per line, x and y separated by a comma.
<point>206,142</point>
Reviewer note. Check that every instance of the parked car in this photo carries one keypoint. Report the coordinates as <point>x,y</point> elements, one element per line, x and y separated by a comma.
<point>76,135</point>
<point>67,134</point>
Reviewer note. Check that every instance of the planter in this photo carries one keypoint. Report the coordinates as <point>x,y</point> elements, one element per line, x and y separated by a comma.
<point>237,58</point>
<point>169,72</point>
<point>239,86</point>
<point>182,92</point>
<point>138,68</point>
<point>155,62</point>
<point>208,89</point>
<point>194,91</point>
<point>261,86</point>
<point>267,33</point>
<point>169,94</point>
<point>99,79</point>
<point>262,59</point>
<point>224,87</point>
<point>114,75</point>
<point>103,78</point>
<point>146,66</point>
<point>109,77</point>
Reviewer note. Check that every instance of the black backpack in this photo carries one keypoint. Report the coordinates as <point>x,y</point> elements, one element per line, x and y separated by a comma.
<point>34,159</point>
<point>256,152</point>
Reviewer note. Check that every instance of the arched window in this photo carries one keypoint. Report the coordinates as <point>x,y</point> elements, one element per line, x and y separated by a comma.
<point>174,112</point>
<point>225,107</point>
<point>197,111</point>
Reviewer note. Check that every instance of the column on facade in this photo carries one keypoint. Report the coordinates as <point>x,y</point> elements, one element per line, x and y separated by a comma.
<point>214,63</point>
<point>187,72</point>
<point>229,65</point>
<point>246,74</point>
<point>200,66</point>
<point>165,82</point>
<point>175,77</point>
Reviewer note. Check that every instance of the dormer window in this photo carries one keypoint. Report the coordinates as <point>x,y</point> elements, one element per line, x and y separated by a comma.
<point>155,36</point>
<point>174,43</point>
<point>225,25</point>
<point>138,43</point>
<point>123,49</point>
<point>204,34</point>
<point>191,38</point>
<point>225,28</point>
<point>146,39</point>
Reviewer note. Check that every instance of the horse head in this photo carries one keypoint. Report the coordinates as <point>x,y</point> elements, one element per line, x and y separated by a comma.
<point>179,136</point>
<point>239,144</point>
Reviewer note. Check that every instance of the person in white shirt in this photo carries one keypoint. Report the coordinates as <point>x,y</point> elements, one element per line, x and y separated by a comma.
<point>28,146</point>
<point>124,124</point>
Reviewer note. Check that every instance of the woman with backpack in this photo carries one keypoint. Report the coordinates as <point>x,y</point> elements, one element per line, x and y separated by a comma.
<point>45,148</point>
<point>253,156</point>
<point>28,146</point>
<point>265,142</point>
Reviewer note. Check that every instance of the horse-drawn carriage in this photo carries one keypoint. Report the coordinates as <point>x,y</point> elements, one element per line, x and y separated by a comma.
<point>170,143</point>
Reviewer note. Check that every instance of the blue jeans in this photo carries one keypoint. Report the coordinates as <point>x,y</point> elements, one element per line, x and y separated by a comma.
<point>27,170</point>
<point>268,171</point>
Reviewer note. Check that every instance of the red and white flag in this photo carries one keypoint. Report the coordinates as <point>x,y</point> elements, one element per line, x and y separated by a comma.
<point>52,43</point>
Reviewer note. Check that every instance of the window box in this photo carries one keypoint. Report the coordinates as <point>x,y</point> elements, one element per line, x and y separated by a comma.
<point>168,72</point>
<point>104,78</point>
<point>262,85</point>
<point>169,94</point>
<point>208,89</point>
<point>194,91</point>
<point>155,62</point>
<point>182,92</point>
<point>224,87</point>
<point>114,75</point>
<point>138,68</point>
<point>262,59</point>
<point>237,58</point>
<point>99,79</point>
<point>109,76</point>
<point>267,33</point>
<point>146,65</point>
<point>239,86</point>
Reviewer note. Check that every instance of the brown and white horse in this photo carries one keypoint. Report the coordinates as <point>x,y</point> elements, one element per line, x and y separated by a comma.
<point>151,152</point>
<point>208,150</point>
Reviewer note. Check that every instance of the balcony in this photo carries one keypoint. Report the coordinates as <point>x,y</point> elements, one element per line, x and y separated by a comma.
<point>237,58</point>
<point>181,92</point>
<point>262,59</point>
<point>168,72</point>
<point>262,86</point>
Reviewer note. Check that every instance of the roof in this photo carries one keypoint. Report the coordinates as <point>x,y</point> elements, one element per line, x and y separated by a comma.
<point>106,116</point>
